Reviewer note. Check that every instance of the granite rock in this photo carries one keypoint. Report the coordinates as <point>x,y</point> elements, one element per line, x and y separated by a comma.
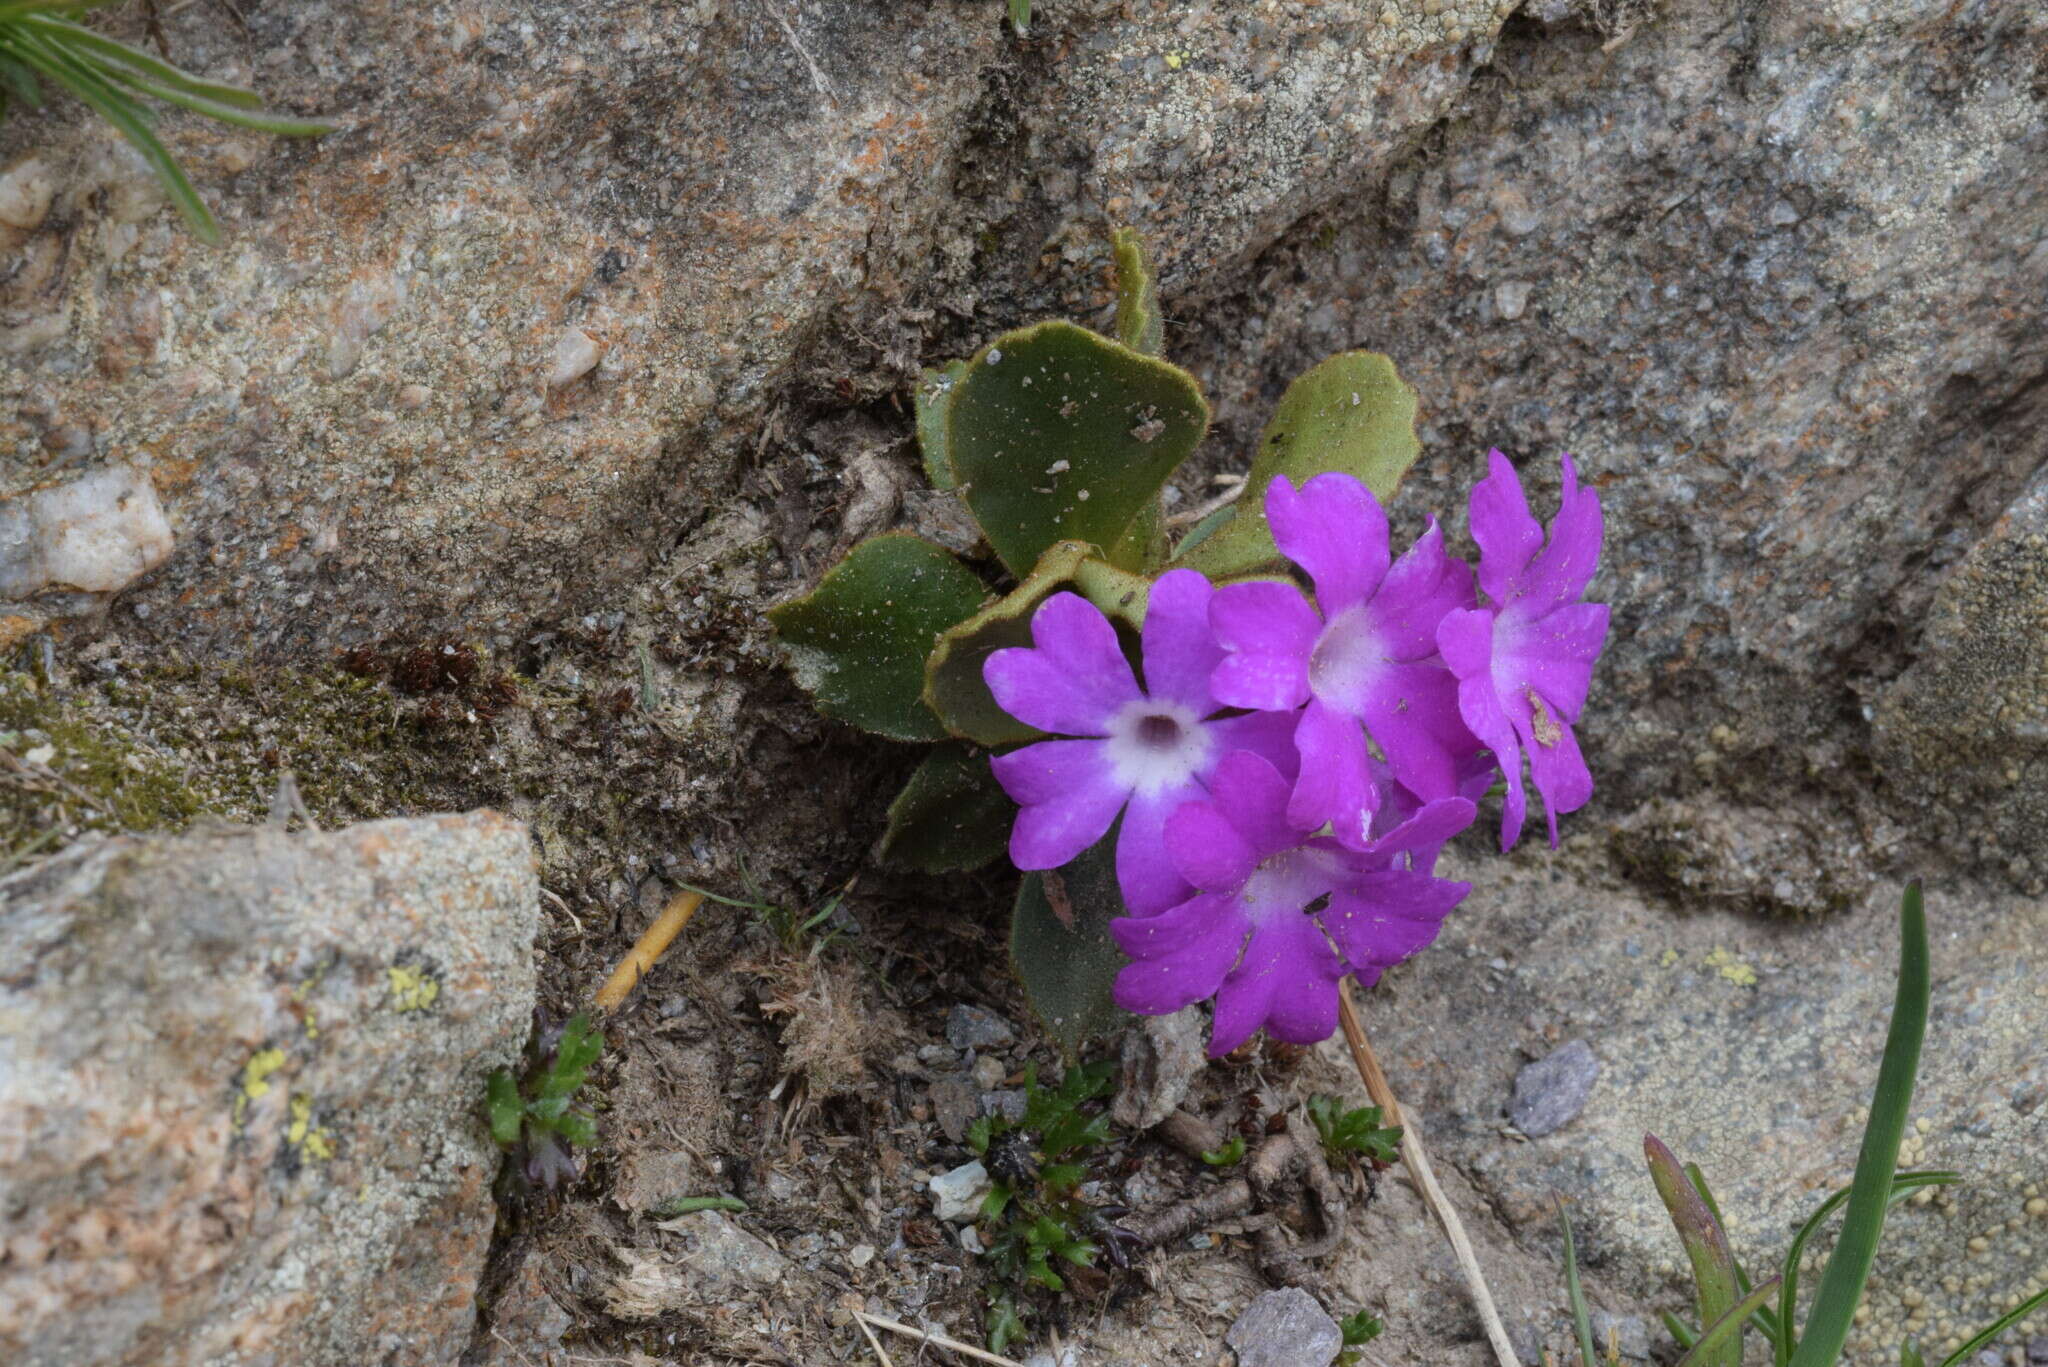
<point>239,1088</point>
<point>1285,1328</point>
<point>1550,1093</point>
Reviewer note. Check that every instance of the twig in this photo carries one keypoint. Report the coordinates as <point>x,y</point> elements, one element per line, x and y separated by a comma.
<point>648,948</point>
<point>1222,500</point>
<point>936,1340</point>
<point>1417,1161</point>
<point>873,1342</point>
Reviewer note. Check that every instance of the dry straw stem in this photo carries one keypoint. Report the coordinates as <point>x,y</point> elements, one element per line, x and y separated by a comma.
<point>648,948</point>
<point>936,1340</point>
<point>1417,1161</point>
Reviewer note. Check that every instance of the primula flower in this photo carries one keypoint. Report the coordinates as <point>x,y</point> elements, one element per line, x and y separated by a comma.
<point>1525,659</point>
<point>1278,918</point>
<point>1143,751</point>
<point>1368,657</point>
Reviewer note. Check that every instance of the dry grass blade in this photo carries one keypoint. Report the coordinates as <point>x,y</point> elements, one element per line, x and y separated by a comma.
<point>653,942</point>
<point>1417,1160</point>
<point>936,1340</point>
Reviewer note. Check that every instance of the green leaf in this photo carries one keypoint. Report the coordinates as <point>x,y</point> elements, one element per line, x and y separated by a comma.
<point>1991,1331</point>
<point>507,1110</point>
<point>578,1128</point>
<point>1909,1355</point>
<point>1681,1334</point>
<point>1057,434</point>
<point>1848,1267</point>
<point>1004,1323</point>
<point>1360,1327</point>
<point>1582,1322</point>
<point>954,689</point>
<point>690,1205</point>
<point>951,815</point>
<point>979,1132</point>
<point>996,1202</point>
<point>1706,1246</point>
<point>1724,1336</point>
<point>1904,1184</point>
<point>1138,322</point>
<point>1766,1320</point>
<point>858,642</point>
<point>1229,1155</point>
<point>1068,970</point>
<point>1352,413</point>
<point>580,1045</point>
<point>934,400</point>
<point>1020,19</point>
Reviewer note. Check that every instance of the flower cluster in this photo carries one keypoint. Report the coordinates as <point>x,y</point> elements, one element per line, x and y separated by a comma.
<point>1290,767</point>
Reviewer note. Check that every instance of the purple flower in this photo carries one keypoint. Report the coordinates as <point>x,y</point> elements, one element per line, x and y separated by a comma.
<point>1369,657</point>
<point>1144,752</point>
<point>1279,918</point>
<point>1525,660</point>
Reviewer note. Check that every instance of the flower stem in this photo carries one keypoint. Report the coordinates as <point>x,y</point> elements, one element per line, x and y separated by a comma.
<point>649,947</point>
<point>1417,1160</point>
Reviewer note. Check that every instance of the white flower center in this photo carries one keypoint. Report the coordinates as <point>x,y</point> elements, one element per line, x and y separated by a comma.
<point>1155,745</point>
<point>1347,661</point>
<point>1287,882</point>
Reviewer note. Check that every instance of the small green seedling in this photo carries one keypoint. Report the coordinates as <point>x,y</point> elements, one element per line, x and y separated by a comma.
<point>1354,1133</point>
<point>1230,1155</point>
<point>1041,1234</point>
<point>531,1115</point>
<point>42,40</point>
<point>1729,1302</point>
<point>1359,1328</point>
<point>796,929</point>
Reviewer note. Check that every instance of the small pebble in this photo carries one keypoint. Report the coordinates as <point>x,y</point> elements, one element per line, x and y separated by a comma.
<point>976,1027</point>
<point>1550,1093</point>
<point>576,352</point>
<point>1285,1328</point>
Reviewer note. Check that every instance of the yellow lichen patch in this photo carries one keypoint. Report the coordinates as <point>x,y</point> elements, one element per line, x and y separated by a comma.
<point>1731,968</point>
<point>1670,958</point>
<point>412,988</point>
<point>256,1079</point>
<point>309,1139</point>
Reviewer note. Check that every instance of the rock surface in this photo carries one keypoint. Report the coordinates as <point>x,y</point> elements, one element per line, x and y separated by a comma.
<point>1285,1328</point>
<point>1550,1093</point>
<point>239,1087</point>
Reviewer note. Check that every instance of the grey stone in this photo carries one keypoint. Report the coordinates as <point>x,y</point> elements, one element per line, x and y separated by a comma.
<point>1550,1093</point>
<point>1161,1058</point>
<point>2037,1348</point>
<point>1010,1103</point>
<point>955,1103</point>
<point>239,1091</point>
<point>1285,1328</point>
<point>1630,1334</point>
<point>977,1027</point>
<point>957,1195</point>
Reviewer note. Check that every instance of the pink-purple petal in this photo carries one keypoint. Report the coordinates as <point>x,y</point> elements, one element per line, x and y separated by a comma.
<point>1306,1010</point>
<point>1560,572</point>
<point>1415,720</point>
<point>1336,785</point>
<point>1144,870</point>
<point>1553,654</point>
<point>1265,618</point>
<point>1251,795</point>
<point>1269,735</point>
<point>1558,769</point>
<point>1204,916</point>
<point>1423,585</point>
<point>1386,917</point>
<point>1050,770</point>
<point>1069,798</point>
<point>1335,530</point>
<point>1035,689</point>
<point>1506,531</point>
<point>1180,651</point>
<point>1276,683</point>
<point>1207,849</point>
<point>1077,638</point>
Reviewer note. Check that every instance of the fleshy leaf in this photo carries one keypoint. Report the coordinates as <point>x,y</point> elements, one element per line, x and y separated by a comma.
<point>1138,322</point>
<point>1352,413</point>
<point>507,1109</point>
<point>934,403</point>
<point>951,815</point>
<point>953,687</point>
<point>1057,434</point>
<point>1061,949</point>
<point>859,641</point>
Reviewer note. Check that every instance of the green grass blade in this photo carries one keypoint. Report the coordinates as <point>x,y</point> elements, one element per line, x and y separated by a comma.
<point>1581,1321</point>
<point>1706,1247</point>
<point>1725,1333</point>
<point>1766,1319</point>
<point>1991,1331</point>
<point>1909,1355</point>
<point>284,125</point>
<point>122,112</point>
<point>105,52</point>
<point>19,80</point>
<point>1904,1184</point>
<point>1681,1333</point>
<point>1841,1282</point>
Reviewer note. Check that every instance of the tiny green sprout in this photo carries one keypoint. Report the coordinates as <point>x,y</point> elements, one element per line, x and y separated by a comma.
<point>1359,1328</point>
<point>799,930</point>
<point>690,1205</point>
<point>1040,1230</point>
<point>1357,1131</point>
<point>531,1116</point>
<point>1229,1155</point>
<point>1020,17</point>
<point>41,40</point>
